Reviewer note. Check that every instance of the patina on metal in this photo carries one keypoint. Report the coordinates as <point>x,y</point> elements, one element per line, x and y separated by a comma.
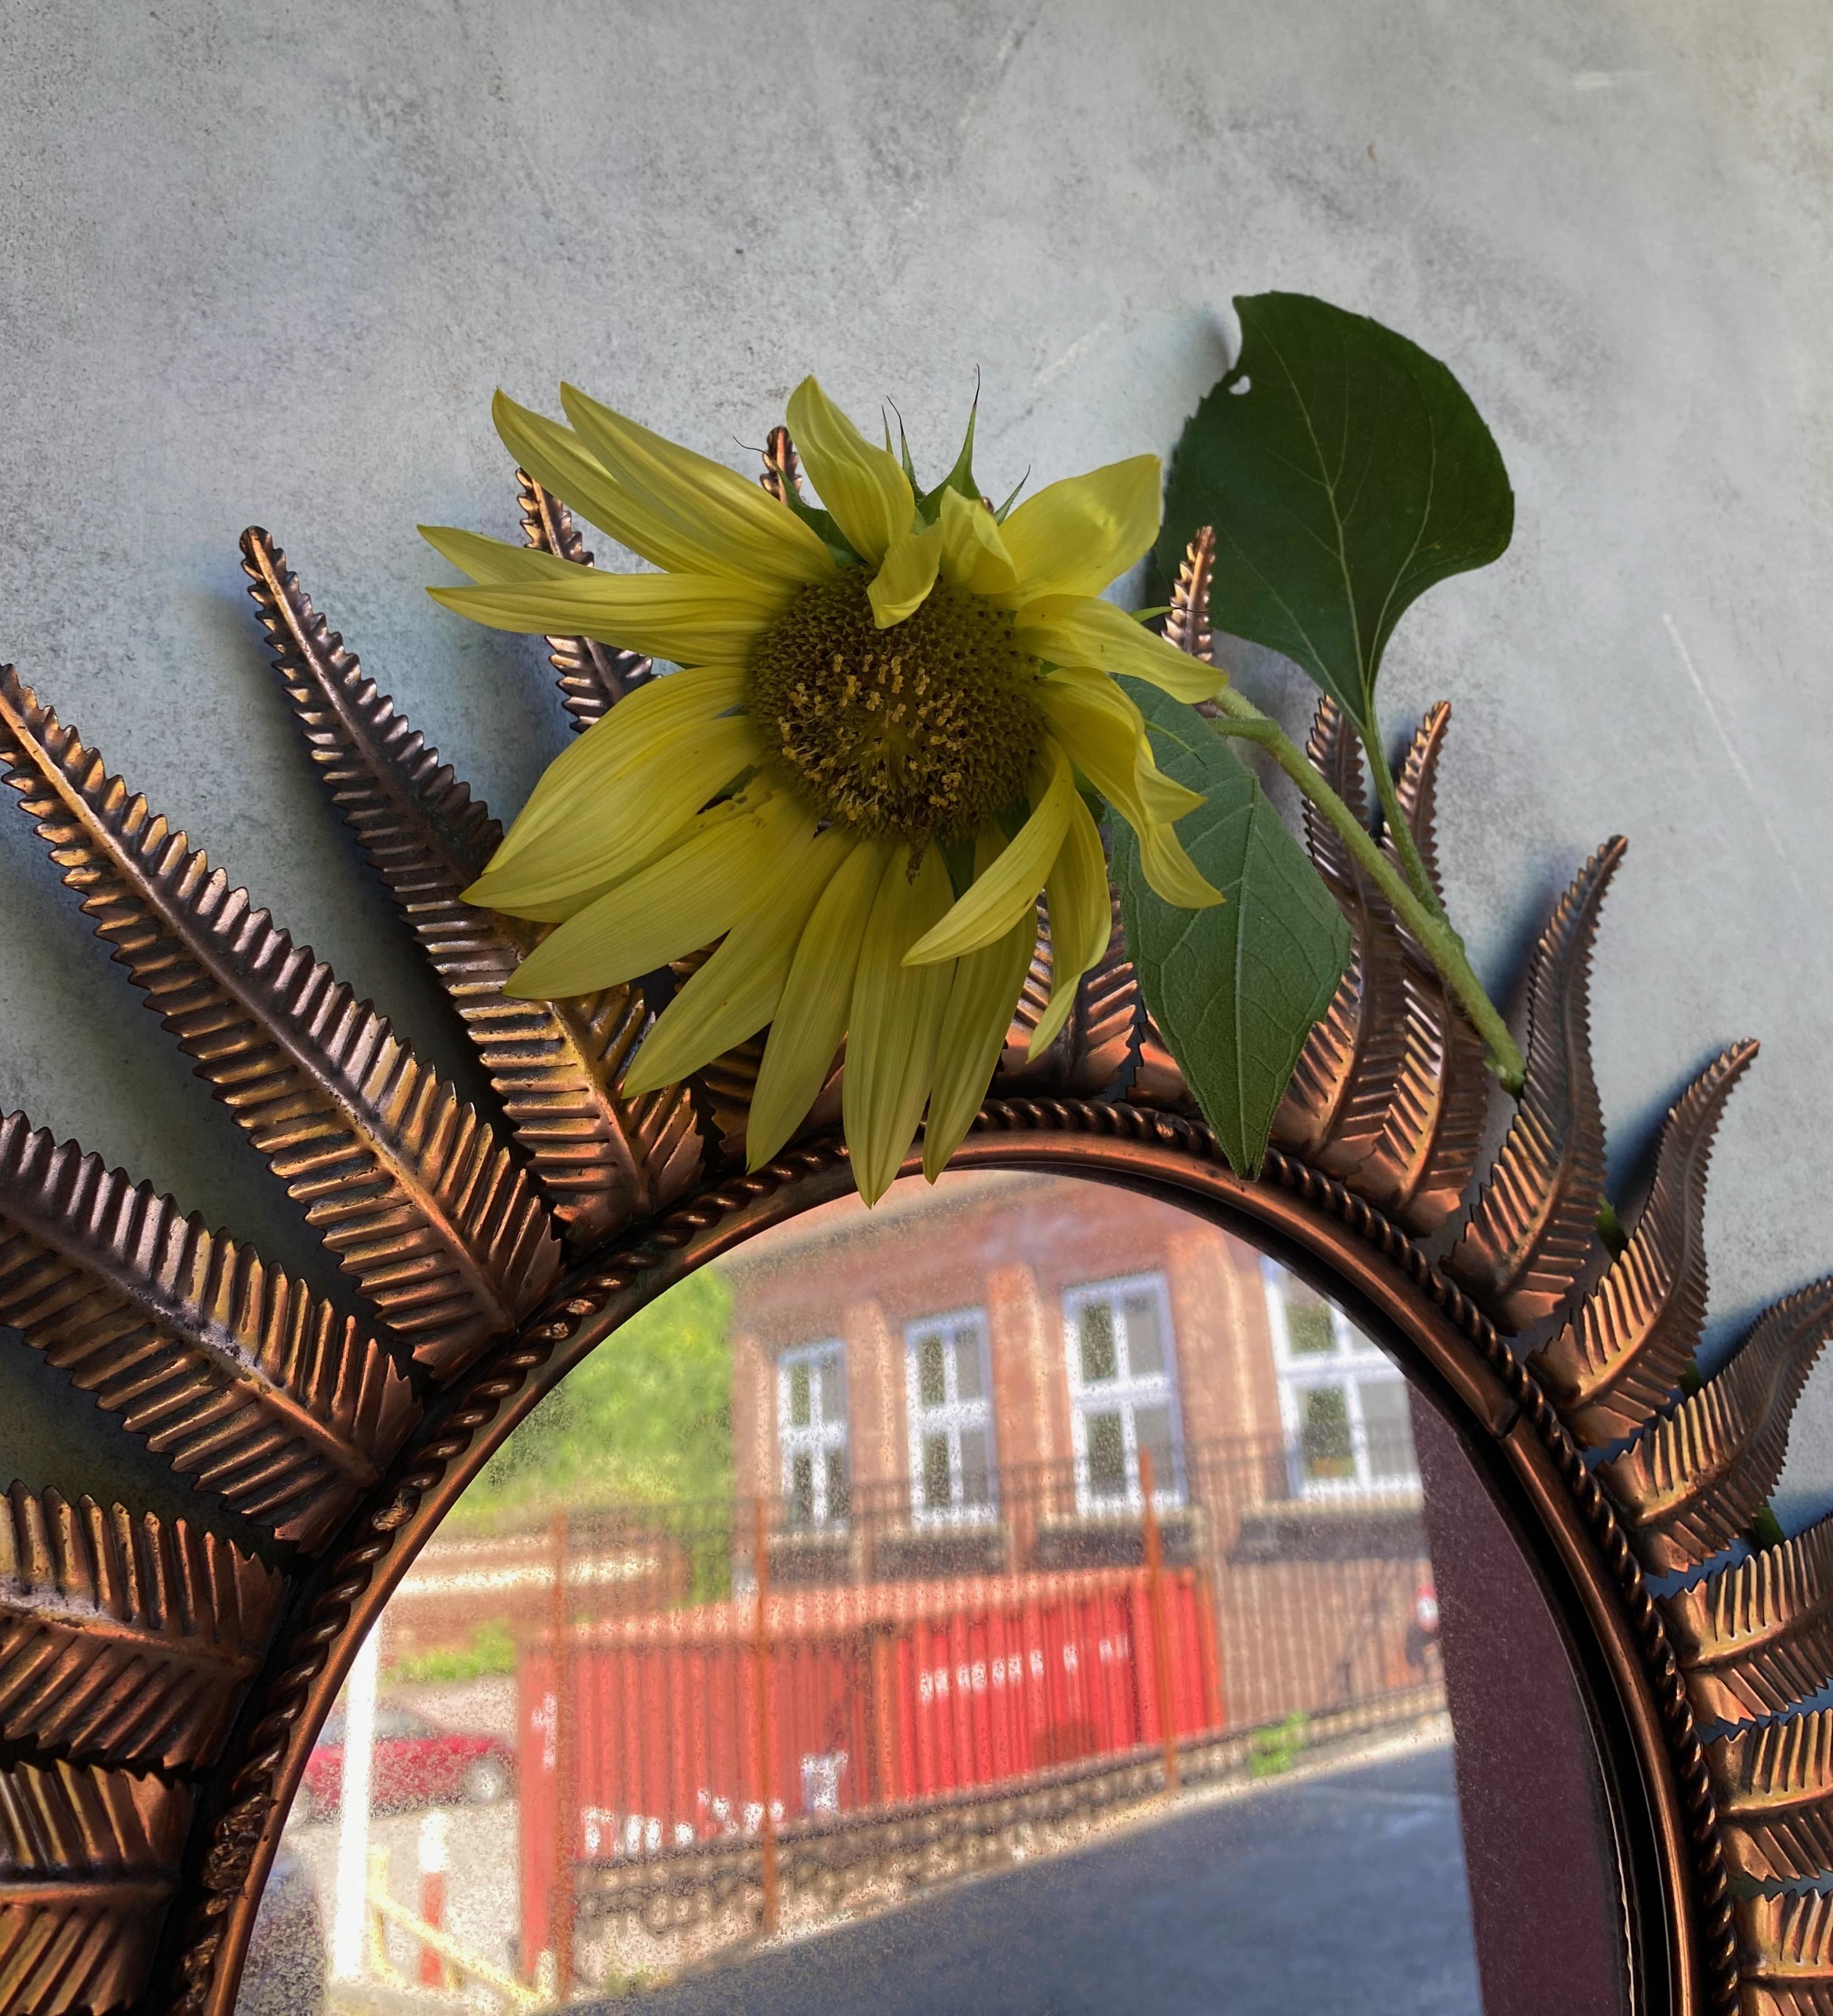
<point>160,1689</point>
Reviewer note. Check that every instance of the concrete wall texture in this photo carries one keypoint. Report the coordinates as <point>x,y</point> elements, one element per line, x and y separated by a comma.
<point>267,264</point>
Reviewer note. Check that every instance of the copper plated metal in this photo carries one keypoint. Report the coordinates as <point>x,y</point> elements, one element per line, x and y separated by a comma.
<point>1774,1786</point>
<point>408,1187</point>
<point>1788,1942</point>
<point>1426,1158</point>
<point>235,1374</point>
<point>1695,1481</point>
<point>160,1689</point>
<point>1186,625</point>
<point>600,1160</point>
<point>1532,1231</point>
<point>1346,1074</point>
<point>1628,1346</point>
<point>88,1868</point>
<point>1756,1637</point>
<point>124,1641</point>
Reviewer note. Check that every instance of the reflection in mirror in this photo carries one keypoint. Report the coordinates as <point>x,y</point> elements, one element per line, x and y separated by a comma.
<point>1021,1597</point>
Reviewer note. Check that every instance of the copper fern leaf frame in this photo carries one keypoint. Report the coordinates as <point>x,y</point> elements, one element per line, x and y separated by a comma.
<point>160,1688</point>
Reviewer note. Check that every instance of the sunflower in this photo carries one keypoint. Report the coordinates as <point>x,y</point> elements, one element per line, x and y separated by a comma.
<point>870,763</point>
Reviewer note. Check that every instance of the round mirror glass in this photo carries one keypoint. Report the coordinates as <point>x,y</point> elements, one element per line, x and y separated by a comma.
<point>1024,1597</point>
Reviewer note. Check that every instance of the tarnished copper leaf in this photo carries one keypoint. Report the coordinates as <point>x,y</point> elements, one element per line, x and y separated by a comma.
<point>1786,1944</point>
<point>1622,1354</point>
<point>1774,1787</point>
<point>124,1640</point>
<point>1390,1091</point>
<point>1758,1638</point>
<point>1427,1153</point>
<point>1533,1231</point>
<point>1417,787</point>
<point>1186,625</point>
<point>409,1188</point>
<point>88,1861</point>
<point>1336,754</point>
<point>593,677</point>
<point>1095,1049</point>
<point>601,1160</point>
<point>1690,1484</point>
<point>236,1374</point>
<point>1336,1108</point>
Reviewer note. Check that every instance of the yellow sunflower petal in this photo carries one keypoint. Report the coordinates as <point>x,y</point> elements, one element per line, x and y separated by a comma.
<point>572,862</point>
<point>800,1050</point>
<point>902,584</point>
<point>896,1018</point>
<point>1094,715</point>
<point>1075,537</point>
<point>559,461</point>
<point>1171,874</point>
<point>1163,797</point>
<point>996,900</point>
<point>979,1013</point>
<point>974,555</point>
<point>688,896</point>
<point>1082,920</point>
<point>1083,630</point>
<point>869,495</point>
<point>641,723</point>
<point>1090,720</point>
<point>687,618</point>
<point>495,562</point>
<point>695,507</point>
<point>738,989</point>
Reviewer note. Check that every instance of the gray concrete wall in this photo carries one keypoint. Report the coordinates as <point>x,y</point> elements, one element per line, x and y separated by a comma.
<point>266,264</point>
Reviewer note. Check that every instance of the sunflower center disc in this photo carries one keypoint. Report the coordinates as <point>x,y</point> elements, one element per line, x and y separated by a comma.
<point>926,729</point>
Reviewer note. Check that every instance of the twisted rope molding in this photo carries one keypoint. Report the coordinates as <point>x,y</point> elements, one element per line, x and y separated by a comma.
<point>267,1751</point>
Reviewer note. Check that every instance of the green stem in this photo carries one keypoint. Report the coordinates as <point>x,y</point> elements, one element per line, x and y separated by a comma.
<point>1433,935</point>
<point>1400,832</point>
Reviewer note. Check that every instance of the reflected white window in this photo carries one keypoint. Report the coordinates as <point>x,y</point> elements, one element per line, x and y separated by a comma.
<point>1122,1391</point>
<point>1342,1402</point>
<point>949,1386</point>
<point>811,1432</point>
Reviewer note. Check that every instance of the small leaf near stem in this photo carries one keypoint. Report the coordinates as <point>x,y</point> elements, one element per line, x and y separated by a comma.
<point>1236,989</point>
<point>1238,716</point>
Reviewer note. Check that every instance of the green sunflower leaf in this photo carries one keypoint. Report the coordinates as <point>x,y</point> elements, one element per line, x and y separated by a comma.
<point>1235,988</point>
<point>1346,471</point>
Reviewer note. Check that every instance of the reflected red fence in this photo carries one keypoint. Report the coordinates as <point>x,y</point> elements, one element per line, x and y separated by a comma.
<point>960,1666</point>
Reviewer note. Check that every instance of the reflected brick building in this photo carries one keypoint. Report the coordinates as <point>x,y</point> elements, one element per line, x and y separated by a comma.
<point>962,1382</point>
<point>941,1592</point>
<point>1043,1314</point>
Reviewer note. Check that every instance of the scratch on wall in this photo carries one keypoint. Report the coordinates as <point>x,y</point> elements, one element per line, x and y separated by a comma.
<point>1730,748</point>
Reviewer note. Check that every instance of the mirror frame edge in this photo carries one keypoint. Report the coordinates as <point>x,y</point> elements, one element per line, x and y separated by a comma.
<point>1683,1954</point>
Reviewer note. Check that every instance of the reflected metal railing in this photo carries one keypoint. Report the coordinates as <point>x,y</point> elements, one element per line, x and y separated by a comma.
<point>918,1680</point>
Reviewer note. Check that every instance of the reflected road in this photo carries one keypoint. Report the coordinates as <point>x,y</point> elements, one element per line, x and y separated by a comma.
<point>1344,1892</point>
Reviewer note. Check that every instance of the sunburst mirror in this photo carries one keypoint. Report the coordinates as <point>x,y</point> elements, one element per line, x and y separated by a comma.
<point>1274,1593</point>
